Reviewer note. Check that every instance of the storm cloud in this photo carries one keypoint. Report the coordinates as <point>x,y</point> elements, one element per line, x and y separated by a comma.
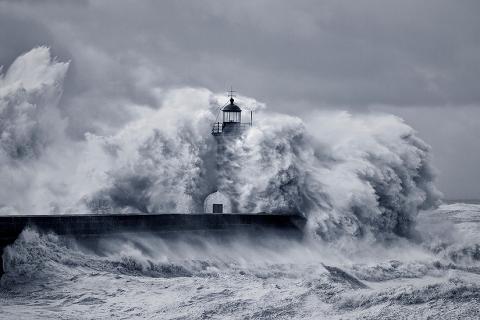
<point>419,60</point>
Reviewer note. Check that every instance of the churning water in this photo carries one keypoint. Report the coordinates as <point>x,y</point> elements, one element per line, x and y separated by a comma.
<point>263,278</point>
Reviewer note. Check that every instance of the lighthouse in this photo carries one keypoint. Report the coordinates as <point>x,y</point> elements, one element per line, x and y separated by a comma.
<point>225,132</point>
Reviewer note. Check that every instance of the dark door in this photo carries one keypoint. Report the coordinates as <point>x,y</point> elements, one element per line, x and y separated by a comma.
<point>217,208</point>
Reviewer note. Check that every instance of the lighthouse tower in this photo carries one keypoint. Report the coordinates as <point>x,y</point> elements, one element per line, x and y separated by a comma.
<point>225,132</point>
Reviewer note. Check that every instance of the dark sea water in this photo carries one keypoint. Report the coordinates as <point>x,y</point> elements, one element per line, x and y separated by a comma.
<point>132,277</point>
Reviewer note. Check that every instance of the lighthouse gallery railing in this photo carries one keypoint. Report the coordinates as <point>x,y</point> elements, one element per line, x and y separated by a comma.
<point>229,128</point>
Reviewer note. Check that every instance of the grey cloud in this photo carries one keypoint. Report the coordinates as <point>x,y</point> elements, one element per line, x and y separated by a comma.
<point>294,55</point>
<point>338,52</point>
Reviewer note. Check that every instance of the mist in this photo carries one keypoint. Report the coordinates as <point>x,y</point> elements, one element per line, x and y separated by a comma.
<point>360,175</point>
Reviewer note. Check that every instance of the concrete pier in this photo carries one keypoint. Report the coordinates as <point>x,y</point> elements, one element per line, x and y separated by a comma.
<point>94,225</point>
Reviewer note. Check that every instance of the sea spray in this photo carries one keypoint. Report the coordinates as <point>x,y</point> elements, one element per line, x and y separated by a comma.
<point>363,175</point>
<point>30,128</point>
<point>355,175</point>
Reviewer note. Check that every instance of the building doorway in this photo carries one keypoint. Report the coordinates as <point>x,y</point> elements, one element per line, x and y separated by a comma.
<point>217,208</point>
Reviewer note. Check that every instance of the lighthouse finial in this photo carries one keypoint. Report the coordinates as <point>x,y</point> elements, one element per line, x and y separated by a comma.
<point>230,94</point>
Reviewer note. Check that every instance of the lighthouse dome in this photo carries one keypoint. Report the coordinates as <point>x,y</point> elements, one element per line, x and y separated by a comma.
<point>232,107</point>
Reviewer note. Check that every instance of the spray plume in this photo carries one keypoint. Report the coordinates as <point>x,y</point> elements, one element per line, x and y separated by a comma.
<point>357,175</point>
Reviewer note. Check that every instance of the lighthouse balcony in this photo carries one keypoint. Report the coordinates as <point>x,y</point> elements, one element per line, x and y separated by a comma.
<point>229,128</point>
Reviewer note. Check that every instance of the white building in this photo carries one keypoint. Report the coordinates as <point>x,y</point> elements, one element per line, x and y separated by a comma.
<point>217,202</point>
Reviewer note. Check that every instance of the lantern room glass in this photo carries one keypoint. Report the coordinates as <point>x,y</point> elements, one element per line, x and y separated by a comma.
<point>231,116</point>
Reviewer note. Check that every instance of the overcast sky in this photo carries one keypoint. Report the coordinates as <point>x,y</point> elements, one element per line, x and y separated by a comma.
<point>416,59</point>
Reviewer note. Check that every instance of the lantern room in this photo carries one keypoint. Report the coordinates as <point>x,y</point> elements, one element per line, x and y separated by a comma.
<point>231,120</point>
<point>232,113</point>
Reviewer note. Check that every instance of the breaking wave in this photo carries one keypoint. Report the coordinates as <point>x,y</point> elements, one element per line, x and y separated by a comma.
<point>357,175</point>
<point>38,256</point>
